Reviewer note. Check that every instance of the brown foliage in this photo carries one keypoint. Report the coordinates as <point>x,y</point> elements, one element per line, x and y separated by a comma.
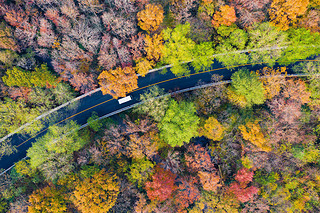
<point>114,141</point>
<point>47,36</point>
<point>118,82</point>
<point>296,90</point>
<point>136,46</point>
<point>311,21</point>
<point>209,181</point>
<point>107,56</point>
<point>198,159</point>
<point>83,82</point>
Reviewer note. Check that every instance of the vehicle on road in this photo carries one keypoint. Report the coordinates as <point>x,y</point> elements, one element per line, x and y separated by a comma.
<point>125,99</point>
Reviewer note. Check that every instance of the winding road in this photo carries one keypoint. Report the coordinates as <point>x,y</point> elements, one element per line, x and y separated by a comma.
<point>105,104</point>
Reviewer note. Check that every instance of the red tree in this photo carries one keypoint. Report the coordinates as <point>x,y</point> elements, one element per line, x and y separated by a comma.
<point>162,185</point>
<point>239,189</point>
<point>187,192</point>
<point>198,158</point>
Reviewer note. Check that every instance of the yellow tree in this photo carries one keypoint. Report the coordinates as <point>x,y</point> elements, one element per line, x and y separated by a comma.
<point>143,65</point>
<point>212,129</point>
<point>118,82</point>
<point>150,18</point>
<point>273,80</point>
<point>253,133</point>
<point>97,193</point>
<point>154,47</point>
<point>48,199</point>
<point>226,16</point>
<point>283,13</point>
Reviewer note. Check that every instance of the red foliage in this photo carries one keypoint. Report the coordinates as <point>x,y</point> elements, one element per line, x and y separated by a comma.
<point>243,194</point>
<point>187,192</point>
<point>244,176</point>
<point>162,185</point>
<point>198,158</point>
<point>240,189</point>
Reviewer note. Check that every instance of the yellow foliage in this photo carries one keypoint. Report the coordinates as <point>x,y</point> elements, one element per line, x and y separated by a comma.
<point>154,47</point>
<point>212,129</point>
<point>23,167</point>
<point>236,99</point>
<point>118,82</point>
<point>273,82</point>
<point>252,132</point>
<point>246,162</point>
<point>283,13</point>
<point>150,18</point>
<point>143,66</point>
<point>96,194</point>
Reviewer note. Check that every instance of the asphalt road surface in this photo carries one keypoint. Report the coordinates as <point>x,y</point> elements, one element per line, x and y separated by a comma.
<point>104,104</point>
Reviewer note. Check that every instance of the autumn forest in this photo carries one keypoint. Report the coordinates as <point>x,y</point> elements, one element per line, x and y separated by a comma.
<point>247,145</point>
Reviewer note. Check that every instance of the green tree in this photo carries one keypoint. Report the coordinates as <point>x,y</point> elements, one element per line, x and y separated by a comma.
<point>139,171</point>
<point>13,114</point>
<point>41,77</point>
<point>178,48</point>
<point>203,56</point>
<point>303,44</point>
<point>8,57</point>
<point>247,84</point>
<point>266,36</point>
<point>6,148</point>
<point>179,124</point>
<point>17,77</point>
<point>3,205</point>
<point>152,104</point>
<point>94,124</point>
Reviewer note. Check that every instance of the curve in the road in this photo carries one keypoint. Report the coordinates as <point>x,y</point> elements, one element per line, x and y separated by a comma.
<point>168,81</point>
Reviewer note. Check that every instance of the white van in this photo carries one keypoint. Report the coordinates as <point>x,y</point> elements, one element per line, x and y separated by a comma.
<point>125,99</point>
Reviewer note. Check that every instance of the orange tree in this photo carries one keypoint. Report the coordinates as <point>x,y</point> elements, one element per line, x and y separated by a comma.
<point>226,16</point>
<point>118,82</point>
<point>150,18</point>
<point>97,193</point>
<point>283,13</point>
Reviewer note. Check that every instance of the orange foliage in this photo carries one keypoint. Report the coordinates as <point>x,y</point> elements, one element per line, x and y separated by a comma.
<point>150,18</point>
<point>273,82</point>
<point>252,132</point>
<point>209,181</point>
<point>226,16</point>
<point>283,13</point>
<point>96,194</point>
<point>118,82</point>
<point>212,129</point>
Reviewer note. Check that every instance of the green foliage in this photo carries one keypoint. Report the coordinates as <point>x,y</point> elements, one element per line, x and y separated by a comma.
<point>6,148</point>
<point>52,153</point>
<point>17,77</point>
<point>8,57</point>
<point>13,114</point>
<point>3,205</point>
<point>230,57</point>
<point>41,77</point>
<point>265,35</point>
<point>94,124</point>
<point>139,171</point>
<point>308,154</point>
<point>88,171</point>
<point>153,106</point>
<point>203,56</point>
<point>247,83</point>
<point>178,48</point>
<point>63,139</point>
<point>179,124</point>
<point>303,44</point>
<point>23,168</point>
